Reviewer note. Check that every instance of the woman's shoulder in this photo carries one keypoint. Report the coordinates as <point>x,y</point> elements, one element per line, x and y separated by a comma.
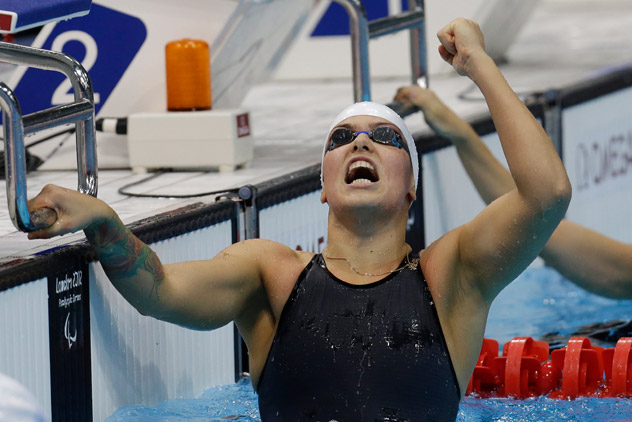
<point>277,254</point>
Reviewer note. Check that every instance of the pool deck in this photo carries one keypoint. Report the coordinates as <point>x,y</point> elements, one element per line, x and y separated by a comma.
<point>565,42</point>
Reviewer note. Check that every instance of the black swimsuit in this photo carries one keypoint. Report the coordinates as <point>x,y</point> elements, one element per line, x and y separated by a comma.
<point>352,353</point>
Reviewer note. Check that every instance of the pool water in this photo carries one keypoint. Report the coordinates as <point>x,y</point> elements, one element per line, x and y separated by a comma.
<point>539,302</point>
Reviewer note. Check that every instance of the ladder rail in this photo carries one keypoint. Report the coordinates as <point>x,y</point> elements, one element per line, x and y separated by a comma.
<point>80,112</point>
<point>418,47</point>
<point>362,30</point>
<point>14,158</point>
<point>392,24</point>
<point>359,26</point>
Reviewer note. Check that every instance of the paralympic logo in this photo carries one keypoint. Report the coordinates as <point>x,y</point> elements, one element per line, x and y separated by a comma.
<point>72,339</point>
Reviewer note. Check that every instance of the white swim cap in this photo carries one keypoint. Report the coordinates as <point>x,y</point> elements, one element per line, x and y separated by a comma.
<point>367,108</point>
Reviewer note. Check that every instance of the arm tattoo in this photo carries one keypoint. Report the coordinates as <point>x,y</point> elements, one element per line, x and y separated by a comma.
<point>122,254</point>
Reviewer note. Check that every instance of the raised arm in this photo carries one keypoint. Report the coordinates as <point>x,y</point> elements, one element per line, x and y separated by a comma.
<point>503,239</point>
<point>199,294</point>
<point>589,259</point>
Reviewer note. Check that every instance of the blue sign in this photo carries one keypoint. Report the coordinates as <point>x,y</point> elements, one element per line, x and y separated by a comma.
<point>104,41</point>
<point>335,20</point>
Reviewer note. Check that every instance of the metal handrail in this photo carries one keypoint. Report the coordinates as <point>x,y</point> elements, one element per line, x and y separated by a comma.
<point>391,24</point>
<point>418,50</point>
<point>362,30</point>
<point>359,26</point>
<point>80,112</point>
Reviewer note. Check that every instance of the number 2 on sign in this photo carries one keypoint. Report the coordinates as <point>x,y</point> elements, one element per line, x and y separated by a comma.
<point>61,94</point>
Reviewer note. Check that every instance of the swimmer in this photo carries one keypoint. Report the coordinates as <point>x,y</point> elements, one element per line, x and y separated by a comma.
<point>589,259</point>
<point>368,329</point>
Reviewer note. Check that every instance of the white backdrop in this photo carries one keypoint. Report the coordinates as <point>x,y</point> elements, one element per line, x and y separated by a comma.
<point>597,149</point>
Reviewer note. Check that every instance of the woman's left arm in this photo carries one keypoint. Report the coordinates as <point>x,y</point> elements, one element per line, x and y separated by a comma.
<point>499,243</point>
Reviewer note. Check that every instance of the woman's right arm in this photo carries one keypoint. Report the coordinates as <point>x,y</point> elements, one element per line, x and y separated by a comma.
<point>589,259</point>
<point>198,294</point>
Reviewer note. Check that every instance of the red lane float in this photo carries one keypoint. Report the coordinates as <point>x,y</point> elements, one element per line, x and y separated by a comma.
<point>525,369</point>
<point>618,367</point>
<point>582,369</point>
<point>518,367</point>
<point>484,378</point>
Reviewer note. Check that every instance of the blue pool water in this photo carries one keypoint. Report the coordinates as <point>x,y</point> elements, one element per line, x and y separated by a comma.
<point>540,301</point>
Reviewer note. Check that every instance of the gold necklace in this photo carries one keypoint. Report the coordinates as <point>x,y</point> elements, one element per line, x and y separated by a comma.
<point>410,264</point>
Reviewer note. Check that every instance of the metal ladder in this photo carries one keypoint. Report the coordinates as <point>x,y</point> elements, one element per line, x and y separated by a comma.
<point>16,126</point>
<point>362,31</point>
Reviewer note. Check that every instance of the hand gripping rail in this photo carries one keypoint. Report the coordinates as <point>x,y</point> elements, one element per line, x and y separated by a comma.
<point>362,30</point>
<point>16,126</point>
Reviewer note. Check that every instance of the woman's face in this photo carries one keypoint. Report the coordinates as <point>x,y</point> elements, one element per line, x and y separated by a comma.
<point>364,173</point>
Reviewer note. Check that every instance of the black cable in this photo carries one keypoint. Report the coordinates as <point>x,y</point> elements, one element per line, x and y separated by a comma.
<point>33,162</point>
<point>151,195</point>
<point>49,137</point>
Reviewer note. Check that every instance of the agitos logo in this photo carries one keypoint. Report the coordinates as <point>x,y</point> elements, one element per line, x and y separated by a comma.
<point>72,338</point>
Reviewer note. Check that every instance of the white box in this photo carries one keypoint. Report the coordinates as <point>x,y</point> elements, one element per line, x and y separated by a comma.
<point>216,139</point>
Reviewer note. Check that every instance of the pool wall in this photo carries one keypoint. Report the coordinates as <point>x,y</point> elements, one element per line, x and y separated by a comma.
<point>137,360</point>
<point>24,338</point>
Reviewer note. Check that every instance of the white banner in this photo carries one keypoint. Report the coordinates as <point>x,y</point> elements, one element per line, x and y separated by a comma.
<point>597,149</point>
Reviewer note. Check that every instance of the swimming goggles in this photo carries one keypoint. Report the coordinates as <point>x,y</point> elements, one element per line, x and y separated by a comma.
<point>385,135</point>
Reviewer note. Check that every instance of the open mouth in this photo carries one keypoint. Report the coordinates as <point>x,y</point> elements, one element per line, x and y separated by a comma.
<point>361,172</point>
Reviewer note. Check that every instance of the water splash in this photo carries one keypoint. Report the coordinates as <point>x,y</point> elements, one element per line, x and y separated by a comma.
<point>239,402</point>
